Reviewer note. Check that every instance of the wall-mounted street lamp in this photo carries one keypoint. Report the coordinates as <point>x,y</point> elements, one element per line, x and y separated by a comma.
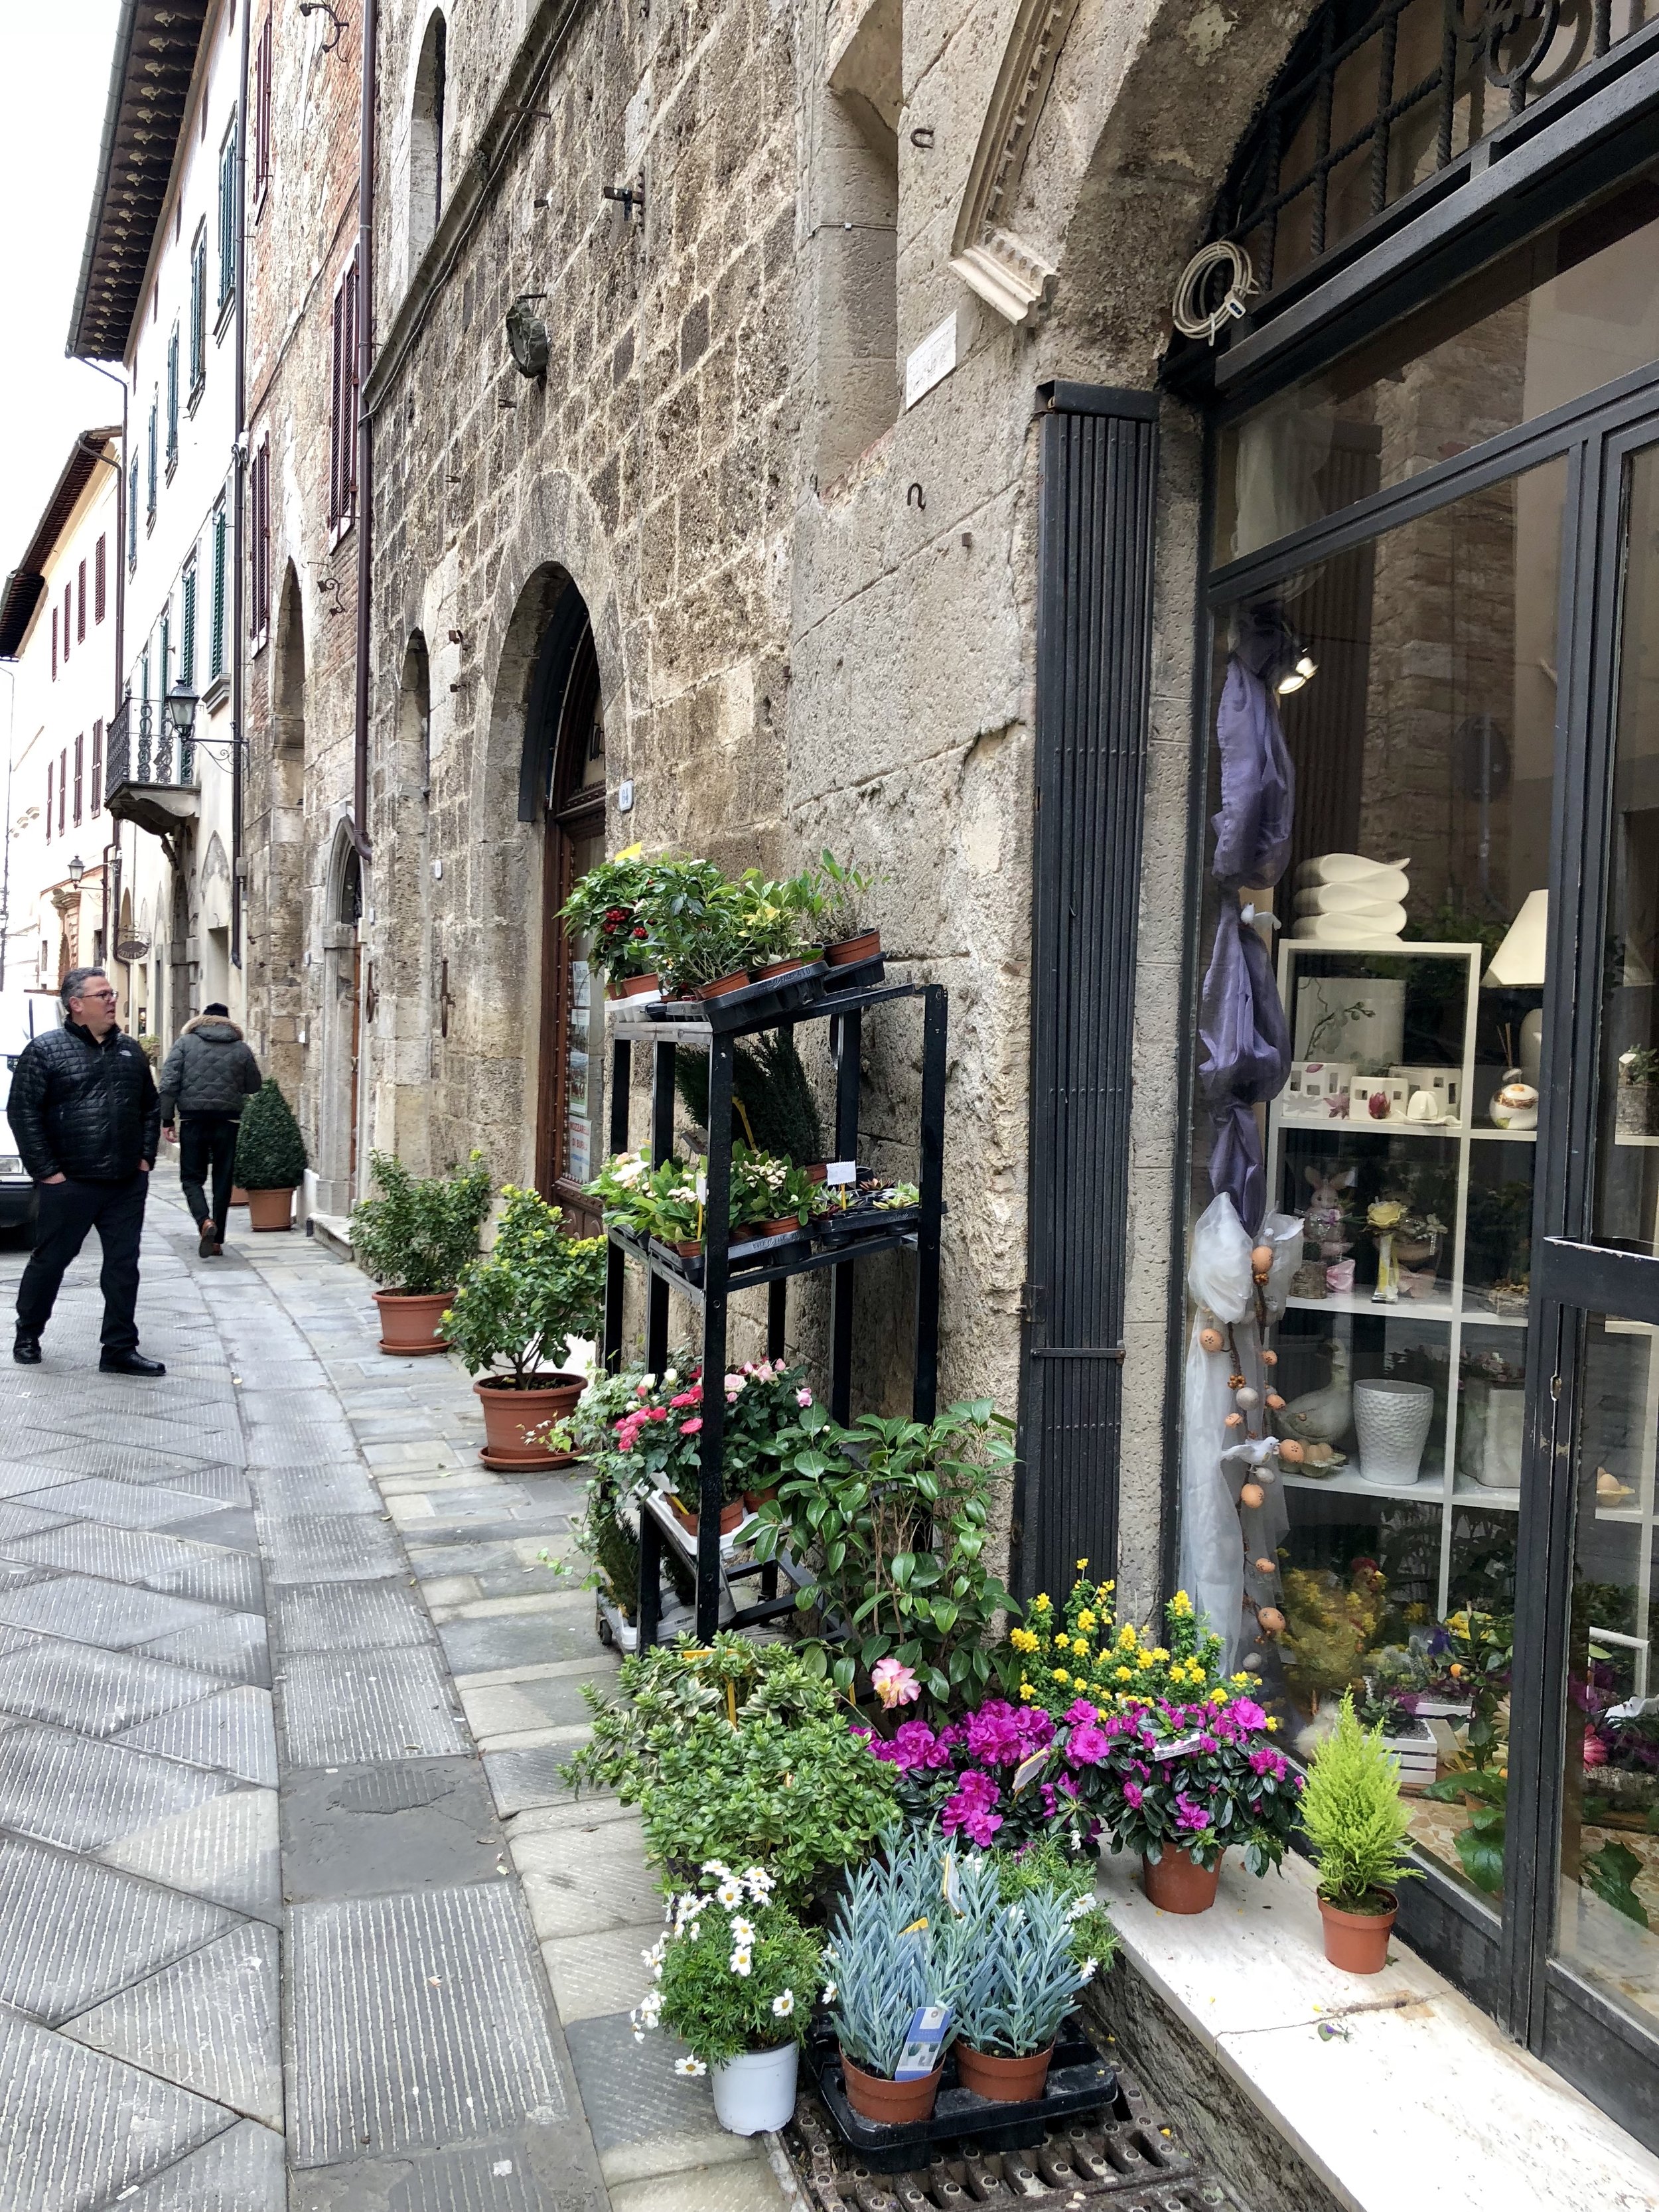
<point>77,868</point>
<point>322,7</point>
<point>181,713</point>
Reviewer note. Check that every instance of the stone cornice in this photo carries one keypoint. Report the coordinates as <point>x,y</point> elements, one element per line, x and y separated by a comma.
<point>1013,276</point>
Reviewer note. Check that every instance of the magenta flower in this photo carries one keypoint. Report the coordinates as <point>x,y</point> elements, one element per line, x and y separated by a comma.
<point>1133,1793</point>
<point>916,1748</point>
<point>969,1808</point>
<point>1189,1815</point>
<point>690,1428</point>
<point>1087,1745</point>
<point>1248,1713</point>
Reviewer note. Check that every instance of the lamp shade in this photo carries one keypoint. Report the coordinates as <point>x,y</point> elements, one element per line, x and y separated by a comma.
<point>1518,963</point>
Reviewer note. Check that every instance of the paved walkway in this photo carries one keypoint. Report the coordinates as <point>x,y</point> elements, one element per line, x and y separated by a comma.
<point>295,1914</point>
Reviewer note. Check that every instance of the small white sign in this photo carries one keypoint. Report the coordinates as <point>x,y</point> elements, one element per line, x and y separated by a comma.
<point>931,361</point>
<point>625,795</point>
<point>842,1172</point>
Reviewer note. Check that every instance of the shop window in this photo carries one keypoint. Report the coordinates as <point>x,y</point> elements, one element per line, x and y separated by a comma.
<point>572,1138</point>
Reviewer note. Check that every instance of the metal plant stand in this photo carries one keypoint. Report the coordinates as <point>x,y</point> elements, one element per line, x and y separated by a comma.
<point>728,1266</point>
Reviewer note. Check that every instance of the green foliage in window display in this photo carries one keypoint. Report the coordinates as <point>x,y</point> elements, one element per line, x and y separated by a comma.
<point>419,1234</point>
<point>270,1153</point>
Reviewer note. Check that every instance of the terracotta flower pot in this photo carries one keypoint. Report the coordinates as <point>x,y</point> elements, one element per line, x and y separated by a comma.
<point>776,968</point>
<point>852,949</point>
<point>731,1515</point>
<point>818,1172</point>
<point>1175,1883</point>
<point>509,1412</point>
<point>1358,1941</point>
<point>637,987</point>
<point>785,1225</point>
<point>409,1321</point>
<point>270,1209</point>
<point>734,982</point>
<point>754,1499</point>
<point>1003,2080</point>
<point>238,1196</point>
<point>894,2103</point>
<point>690,1247</point>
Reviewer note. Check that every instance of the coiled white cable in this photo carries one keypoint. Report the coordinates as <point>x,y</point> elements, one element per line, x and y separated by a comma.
<point>1188,320</point>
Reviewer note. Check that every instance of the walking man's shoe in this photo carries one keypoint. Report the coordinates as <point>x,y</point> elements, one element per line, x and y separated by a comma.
<point>26,1350</point>
<point>126,1363</point>
<point>208,1243</point>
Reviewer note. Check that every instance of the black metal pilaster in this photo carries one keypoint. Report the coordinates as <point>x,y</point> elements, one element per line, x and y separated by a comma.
<point>662,1144</point>
<point>616,1267</point>
<point>717,1235</point>
<point>848,1045</point>
<point>935,1017</point>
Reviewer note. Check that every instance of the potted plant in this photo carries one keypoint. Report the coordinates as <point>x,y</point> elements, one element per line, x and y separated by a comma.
<point>270,1158</point>
<point>888,1961</point>
<point>764,1399</point>
<point>1638,1111</point>
<point>776,926</point>
<point>658,1441</point>
<point>770,1196</point>
<point>695,930</point>
<point>1017,1977</point>
<point>608,907</point>
<point>519,1302</point>
<point>415,1239</point>
<point>837,894</point>
<point>736,1979</point>
<point>1353,1816</point>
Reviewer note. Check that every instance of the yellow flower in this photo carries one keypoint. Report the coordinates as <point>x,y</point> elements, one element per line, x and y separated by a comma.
<point>1181,1605</point>
<point>1061,1674</point>
<point>1063,1642</point>
<point>1240,1678</point>
<point>1086,1621</point>
<point>1081,1565</point>
<point>1022,1639</point>
<point>1040,1604</point>
<point>1160,1655</point>
<point>1218,1697</point>
<point>1272,1723</point>
<point>1100,1712</point>
<point>1026,1690</point>
<point>1126,1636</point>
<point>1124,1675</point>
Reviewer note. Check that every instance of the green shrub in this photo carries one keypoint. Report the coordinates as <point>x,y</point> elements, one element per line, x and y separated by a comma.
<point>418,1236</point>
<point>270,1153</point>
<point>1352,1815</point>
<point>534,1287</point>
<point>738,1971</point>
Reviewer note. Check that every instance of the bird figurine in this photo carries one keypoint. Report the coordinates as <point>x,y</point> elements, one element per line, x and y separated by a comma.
<point>1255,1452</point>
<point>1322,1416</point>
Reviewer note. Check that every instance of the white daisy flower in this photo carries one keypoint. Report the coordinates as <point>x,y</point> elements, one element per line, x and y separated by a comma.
<point>784,2005</point>
<point>1087,1971</point>
<point>741,1961</point>
<point>829,1993</point>
<point>760,1883</point>
<point>691,2068</point>
<point>742,1933</point>
<point>716,1866</point>
<point>729,1893</point>
<point>639,2035</point>
<point>1081,1908</point>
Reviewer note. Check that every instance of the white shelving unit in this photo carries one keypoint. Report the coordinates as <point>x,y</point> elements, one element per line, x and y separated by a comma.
<point>1452,1309</point>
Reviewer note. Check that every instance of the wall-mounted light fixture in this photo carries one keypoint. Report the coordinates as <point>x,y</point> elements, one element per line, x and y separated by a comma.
<point>77,868</point>
<point>336,22</point>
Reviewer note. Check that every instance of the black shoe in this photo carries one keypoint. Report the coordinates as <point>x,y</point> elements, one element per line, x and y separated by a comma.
<point>206,1244</point>
<point>26,1349</point>
<point>127,1363</point>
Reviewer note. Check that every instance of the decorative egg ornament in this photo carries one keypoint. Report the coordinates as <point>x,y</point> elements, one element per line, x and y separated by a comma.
<point>1234,1421</point>
<point>1270,1359</point>
<point>1247,1400</point>
<point>1272,1619</point>
<point>1261,1261</point>
<point>1252,1494</point>
<point>1212,1339</point>
<point>1292,1452</point>
<point>1275,1403</point>
<point>1266,1566</point>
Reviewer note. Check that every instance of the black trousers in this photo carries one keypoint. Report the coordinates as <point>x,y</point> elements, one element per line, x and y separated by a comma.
<point>68,1210</point>
<point>208,1142</point>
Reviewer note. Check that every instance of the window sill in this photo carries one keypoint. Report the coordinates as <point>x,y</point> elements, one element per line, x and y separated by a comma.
<point>225,312</point>
<point>1415,2086</point>
<point>218,691</point>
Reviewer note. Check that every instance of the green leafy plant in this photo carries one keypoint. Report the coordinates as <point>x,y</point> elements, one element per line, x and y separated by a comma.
<point>1640,1065</point>
<point>775,924</point>
<point>694,925</point>
<point>735,1971</point>
<point>894,1515</point>
<point>1353,1816</point>
<point>419,1234</point>
<point>834,891</point>
<point>531,1290</point>
<point>767,1188</point>
<point>1059,1655</point>
<point>771,1097</point>
<point>1480,1843</point>
<point>605,1531</point>
<point>1610,1873</point>
<point>608,907</point>
<point>270,1153</point>
<point>885,1955</point>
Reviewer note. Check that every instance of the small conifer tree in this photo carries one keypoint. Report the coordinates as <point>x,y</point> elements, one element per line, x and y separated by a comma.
<point>1352,1815</point>
<point>270,1153</point>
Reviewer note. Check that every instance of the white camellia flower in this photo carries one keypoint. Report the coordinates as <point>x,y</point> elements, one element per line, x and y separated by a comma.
<point>741,1961</point>
<point>691,2068</point>
<point>784,2005</point>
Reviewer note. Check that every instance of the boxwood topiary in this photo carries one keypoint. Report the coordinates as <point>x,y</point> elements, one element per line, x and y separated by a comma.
<point>270,1153</point>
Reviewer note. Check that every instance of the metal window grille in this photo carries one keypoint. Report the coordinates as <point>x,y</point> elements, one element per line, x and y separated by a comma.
<point>1378,94</point>
<point>99,584</point>
<point>227,217</point>
<point>217,623</point>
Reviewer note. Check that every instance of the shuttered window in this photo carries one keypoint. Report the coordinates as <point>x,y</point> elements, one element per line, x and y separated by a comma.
<point>228,216</point>
<point>80,604</point>
<point>80,772</point>
<point>342,406</point>
<point>99,587</point>
<point>51,771</point>
<point>63,787</point>
<point>187,629</point>
<point>173,399</point>
<point>262,114</point>
<point>54,645</point>
<point>68,602</point>
<point>165,656</point>
<point>132,516</point>
<point>96,798</point>
<point>217,622</point>
<point>153,442</point>
<point>259,563</point>
<point>199,312</point>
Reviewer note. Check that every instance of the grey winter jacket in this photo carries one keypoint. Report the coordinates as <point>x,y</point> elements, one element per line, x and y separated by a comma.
<point>209,1070</point>
<point>83,1109</point>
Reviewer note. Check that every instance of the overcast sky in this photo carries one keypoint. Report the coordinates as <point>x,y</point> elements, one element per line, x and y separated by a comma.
<point>54,78</point>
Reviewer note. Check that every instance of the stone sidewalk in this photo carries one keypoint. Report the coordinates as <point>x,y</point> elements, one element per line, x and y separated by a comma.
<point>294,1911</point>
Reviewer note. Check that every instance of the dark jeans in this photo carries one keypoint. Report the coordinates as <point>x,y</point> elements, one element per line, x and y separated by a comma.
<point>68,1210</point>
<point>207,1142</point>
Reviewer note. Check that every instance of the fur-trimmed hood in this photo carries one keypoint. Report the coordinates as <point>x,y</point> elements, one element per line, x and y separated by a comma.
<point>213,1029</point>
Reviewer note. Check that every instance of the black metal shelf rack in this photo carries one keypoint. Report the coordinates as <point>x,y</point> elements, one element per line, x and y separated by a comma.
<point>727,1269</point>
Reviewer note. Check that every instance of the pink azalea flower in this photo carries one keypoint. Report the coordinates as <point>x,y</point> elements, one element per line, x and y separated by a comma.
<point>1248,1713</point>
<point>1133,1793</point>
<point>969,1809</point>
<point>895,1685</point>
<point>1087,1745</point>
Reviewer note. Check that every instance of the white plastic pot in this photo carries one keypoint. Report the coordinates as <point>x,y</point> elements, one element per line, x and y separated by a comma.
<point>755,2092</point>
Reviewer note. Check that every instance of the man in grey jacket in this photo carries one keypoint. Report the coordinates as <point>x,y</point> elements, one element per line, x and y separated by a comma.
<point>206,1078</point>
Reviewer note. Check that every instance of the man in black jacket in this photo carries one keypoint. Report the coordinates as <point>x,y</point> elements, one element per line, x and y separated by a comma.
<point>206,1079</point>
<point>84,1113</point>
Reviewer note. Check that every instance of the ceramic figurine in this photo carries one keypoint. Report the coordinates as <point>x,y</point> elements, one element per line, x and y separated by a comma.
<point>1322,1416</point>
<point>1515,1103</point>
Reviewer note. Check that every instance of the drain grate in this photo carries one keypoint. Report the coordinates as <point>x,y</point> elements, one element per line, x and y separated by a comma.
<point>1132,2159</point>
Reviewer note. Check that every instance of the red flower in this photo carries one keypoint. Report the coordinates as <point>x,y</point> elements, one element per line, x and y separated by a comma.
<point>690,1428</point>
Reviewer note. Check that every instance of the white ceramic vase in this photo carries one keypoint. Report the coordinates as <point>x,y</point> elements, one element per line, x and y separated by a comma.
<point>1391,1420</point>
<point>1500,1456</point>
<point>755,2093</point>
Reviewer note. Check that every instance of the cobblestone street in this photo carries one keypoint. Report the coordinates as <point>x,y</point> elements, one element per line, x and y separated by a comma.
<point>294,1909</point>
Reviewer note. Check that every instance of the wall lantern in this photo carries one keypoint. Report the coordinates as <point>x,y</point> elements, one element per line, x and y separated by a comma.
<point>181,712</point>
<point>77,868</point>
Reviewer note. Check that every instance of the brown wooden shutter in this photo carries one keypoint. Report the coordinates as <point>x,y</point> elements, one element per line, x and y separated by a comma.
<point>54,653</point>
<point>335,410</point>
<point>97,799</point>
<point>63,787</point>
<point>98,583</point>
<point>80,771</point>
<point>80,604</point>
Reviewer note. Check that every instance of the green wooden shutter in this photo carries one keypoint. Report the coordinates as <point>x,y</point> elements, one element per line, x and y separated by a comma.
<point>187,629</point>
<point>173,397</point>
<point>216,633</point>
<point>227,217</point>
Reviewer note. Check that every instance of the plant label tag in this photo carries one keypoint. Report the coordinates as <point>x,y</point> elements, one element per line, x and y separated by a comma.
<point>1029,1768</point>
<point>842,1172</point>
<point>1179,1748</point>
<point>928,2027</point>
<point>950,1883</point>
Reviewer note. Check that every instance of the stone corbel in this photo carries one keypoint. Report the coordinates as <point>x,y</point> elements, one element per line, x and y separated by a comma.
<point>985,253</point>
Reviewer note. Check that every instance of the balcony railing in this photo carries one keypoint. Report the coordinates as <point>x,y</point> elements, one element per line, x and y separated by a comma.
<point>148,777</point>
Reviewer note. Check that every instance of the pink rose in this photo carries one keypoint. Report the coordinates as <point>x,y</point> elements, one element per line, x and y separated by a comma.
<point>690,1428</point>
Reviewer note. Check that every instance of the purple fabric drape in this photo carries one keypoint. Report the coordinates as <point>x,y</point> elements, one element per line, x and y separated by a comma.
<point>1245,1038</point>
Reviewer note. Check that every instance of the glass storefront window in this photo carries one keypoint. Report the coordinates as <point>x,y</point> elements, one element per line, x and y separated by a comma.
<point>584,1037</point>
<point>1409,947</point>
<point>1555,320</point>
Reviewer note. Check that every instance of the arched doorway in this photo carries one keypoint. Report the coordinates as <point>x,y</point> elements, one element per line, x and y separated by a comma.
<point>569,1117</point>
<point>338,1102</point>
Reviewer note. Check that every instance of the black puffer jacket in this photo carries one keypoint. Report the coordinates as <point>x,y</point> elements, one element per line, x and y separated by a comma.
<point>209,1070</point>
<point>82,1109</point>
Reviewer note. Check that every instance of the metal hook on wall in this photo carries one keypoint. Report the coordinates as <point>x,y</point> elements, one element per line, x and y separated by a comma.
<point>915,497</point>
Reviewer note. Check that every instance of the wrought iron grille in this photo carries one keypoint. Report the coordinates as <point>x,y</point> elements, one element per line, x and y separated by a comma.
<point>1378,95</point>
<point>118,738</point>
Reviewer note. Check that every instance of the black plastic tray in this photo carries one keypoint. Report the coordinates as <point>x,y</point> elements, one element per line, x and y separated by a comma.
<point>734,1010</point>
<point>857,976</point>
<point>1079,2080</point>
<point>864,1221</point>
